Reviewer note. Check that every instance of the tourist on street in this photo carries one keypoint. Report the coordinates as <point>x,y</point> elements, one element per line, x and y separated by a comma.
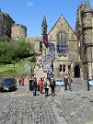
<point>23,81</point>
<point>69,82</point>
<point>52,85</point>
<point>19,81</point>
<point>40,85</point>
<point>46,86</point>
<point>65,82</point>
<point>34,85</point>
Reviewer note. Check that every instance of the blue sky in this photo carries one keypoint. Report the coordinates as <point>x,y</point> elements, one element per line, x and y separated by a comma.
<point>30,12</point>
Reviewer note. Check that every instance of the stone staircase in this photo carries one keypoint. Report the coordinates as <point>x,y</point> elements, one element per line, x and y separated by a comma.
<point>78,80</point>
<point>45,67</point>
<point>39,72</point>
<point>49,58</point>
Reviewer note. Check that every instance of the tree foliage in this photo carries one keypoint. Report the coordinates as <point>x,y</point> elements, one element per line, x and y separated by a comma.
<point>14,50</point>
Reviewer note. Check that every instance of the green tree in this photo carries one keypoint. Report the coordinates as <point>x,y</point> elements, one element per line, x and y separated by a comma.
<point>15,50</point>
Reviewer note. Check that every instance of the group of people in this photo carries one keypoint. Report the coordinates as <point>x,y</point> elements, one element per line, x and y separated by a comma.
<point>47,85</point>
<point>44,84</point>
<point>67,82</point>
<point>21,81</point>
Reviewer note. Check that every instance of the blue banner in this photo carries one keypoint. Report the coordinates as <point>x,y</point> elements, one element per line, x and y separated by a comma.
<point>62,49</point>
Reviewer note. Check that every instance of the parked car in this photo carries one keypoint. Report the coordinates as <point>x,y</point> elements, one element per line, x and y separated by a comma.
<point>9,84</point>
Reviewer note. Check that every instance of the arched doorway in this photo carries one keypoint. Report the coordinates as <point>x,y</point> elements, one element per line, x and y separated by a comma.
<point>52,67</point>
<point>77,71</point>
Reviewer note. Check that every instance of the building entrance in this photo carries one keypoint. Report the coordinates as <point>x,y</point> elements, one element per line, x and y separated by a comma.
<point>77,71</point>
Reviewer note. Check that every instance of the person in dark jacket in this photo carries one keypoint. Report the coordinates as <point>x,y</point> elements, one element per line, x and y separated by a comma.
<point>65,82</point>
<point>34,85</point>
<point>46,86</point>
<point>69,82</point>
<point>52,85</point>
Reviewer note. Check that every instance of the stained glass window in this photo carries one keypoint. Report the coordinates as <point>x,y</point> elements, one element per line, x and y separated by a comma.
<point>61,42</point>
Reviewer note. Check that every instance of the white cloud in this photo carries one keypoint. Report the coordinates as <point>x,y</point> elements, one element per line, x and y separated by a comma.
<point>30,3</point>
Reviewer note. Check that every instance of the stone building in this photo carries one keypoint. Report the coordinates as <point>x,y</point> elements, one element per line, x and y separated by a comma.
<point>73,53</point>
<point>67,58</point>
<point>9,29</point>
<point>5,26</point>
<point>18,31</point>
<point>84,32</point>
<point>37,43</point>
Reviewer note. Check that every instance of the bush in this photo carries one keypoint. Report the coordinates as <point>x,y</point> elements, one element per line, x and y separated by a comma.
<point>15,50</point>
<point>9,72</point>
<point>5,59</point>
<point>33,59</point>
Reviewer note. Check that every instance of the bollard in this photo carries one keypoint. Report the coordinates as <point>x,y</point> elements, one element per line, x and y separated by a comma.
<point>30,85</point>
<point>88,86</point>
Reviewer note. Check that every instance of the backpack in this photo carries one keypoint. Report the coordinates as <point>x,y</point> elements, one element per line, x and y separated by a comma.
<point>34,83</point>
<point>45,83</point>
<point>52,83</point>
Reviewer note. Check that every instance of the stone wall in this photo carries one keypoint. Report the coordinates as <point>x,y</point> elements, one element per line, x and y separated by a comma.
<point>72,54</point>
<point>5,26</point>
<point>36,41</point>
<point>18,31</point>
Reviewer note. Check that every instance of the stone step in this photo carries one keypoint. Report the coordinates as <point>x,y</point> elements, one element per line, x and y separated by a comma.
<point>40,73</point>
<point>78,80</point>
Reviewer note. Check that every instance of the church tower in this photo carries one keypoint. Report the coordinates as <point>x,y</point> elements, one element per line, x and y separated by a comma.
<point>44,32</point>
<point>44,37</point>
<point>84,30</point>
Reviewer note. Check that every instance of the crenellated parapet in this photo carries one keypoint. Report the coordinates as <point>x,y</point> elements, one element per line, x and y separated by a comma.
<point>9,29</point>
<point>5,26</point>
<point>18,31</point>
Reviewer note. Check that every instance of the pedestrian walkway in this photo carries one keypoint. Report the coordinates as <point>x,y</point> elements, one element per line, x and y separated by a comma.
<point>66,107</point>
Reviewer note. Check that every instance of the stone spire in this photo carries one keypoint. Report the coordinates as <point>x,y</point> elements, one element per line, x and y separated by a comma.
<point>44,32</point>
<point>82,3</point>
<point>44,22</point>
<point>82,6</point>
<point>87,6</point>
<point>44,26</point>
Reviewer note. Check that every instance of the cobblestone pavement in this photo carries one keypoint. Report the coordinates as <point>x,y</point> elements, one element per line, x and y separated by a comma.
<point>20,107</point>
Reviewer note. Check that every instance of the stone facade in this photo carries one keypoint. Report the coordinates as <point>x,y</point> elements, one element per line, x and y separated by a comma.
<point>73,50</point>
<point>8,28</point>
<point>37,43</point>
<point>5,26</point>
<point>84,31</point>
<point>18,31</point>
<point>65,62</point>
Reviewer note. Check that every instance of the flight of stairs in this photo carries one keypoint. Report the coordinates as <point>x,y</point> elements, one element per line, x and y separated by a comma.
<point>78,80</point>
<point>45,67</point>
<point>39,72</point>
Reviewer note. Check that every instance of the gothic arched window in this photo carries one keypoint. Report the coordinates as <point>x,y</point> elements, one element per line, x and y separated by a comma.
<point>61,42</point>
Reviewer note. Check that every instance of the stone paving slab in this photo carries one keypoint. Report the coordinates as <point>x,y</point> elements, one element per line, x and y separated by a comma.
<point>26,109</point>
<point>66,107</point>
<point>90,123</point>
